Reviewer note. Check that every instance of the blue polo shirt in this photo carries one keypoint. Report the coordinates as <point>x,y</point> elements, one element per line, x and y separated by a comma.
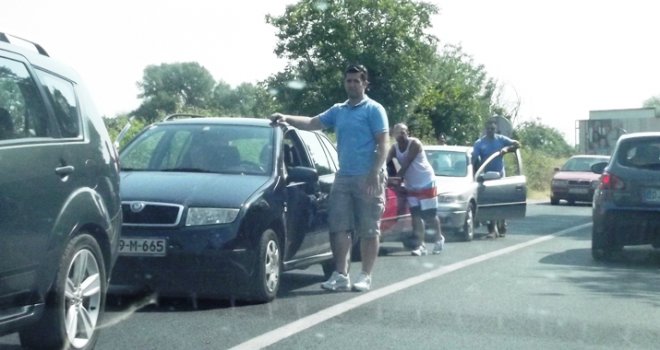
<point>356,128</point>
<point>484,147</point>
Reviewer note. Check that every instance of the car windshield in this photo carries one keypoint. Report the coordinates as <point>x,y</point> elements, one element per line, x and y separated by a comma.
<point>448,163</point>
<point>206,148</point>
<point>581,164</point>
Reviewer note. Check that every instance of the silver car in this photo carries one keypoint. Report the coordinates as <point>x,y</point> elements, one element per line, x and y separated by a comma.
<point>468,196</point>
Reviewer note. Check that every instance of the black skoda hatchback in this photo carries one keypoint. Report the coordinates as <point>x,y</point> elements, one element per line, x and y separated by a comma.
<point>220,207</point>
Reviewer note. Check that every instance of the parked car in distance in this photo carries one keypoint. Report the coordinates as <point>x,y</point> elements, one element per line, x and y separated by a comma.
<point>220,207</point>
<point>626,205</point>
<point>60,212</point>
<point>467,195</point>
<point>575,181</point>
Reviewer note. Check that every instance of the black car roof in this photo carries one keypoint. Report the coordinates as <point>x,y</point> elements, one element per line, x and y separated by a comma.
<point>39,57</point>
<point>220,120</point>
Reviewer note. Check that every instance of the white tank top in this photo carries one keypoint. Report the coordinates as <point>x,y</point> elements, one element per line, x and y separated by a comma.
<point>420,172</point>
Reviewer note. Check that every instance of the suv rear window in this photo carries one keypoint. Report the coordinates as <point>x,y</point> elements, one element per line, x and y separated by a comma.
<point>640,153</point>
<point>63,99</point>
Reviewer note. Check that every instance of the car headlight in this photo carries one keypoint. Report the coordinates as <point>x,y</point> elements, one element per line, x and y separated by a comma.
<point>451,198</point>
<point>559,182</point>
<point>210,216</point>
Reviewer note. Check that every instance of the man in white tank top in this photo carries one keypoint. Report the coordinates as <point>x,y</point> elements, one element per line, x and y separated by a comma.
<point>420,188</point>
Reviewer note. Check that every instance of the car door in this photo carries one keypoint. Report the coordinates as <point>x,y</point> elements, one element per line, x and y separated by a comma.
<point>503,197</point>
<point>35,178</point>
<point>305,218</point>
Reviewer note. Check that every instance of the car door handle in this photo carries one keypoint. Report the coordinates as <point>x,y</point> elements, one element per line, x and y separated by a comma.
<point>64,170</point>
<point>519,188</point>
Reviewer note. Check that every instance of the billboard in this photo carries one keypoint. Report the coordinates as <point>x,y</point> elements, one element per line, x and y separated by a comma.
<point>600,136</point>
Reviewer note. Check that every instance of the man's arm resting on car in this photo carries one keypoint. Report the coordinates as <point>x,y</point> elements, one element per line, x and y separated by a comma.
<point>300,122</point>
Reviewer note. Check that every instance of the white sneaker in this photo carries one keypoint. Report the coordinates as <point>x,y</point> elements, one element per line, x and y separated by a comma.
<point>363,282</point>
<point>421,250</point>
<point>439,246</point>
<point>337,283</point>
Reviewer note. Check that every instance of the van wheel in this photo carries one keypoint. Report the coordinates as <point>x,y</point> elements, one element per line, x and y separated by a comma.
<point>75,304</point>
<point>266,281</point>
<point>554,201</point>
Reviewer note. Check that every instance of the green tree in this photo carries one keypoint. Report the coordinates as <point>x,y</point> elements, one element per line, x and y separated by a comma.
<point>171,87</point>
<point>321,37</point>
<point>653,102</point>
<point>246,100</point>
<point>458,100</point>
<point>541,138</point>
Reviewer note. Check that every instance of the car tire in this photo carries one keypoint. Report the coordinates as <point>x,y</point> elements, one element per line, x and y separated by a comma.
<point>267,279</point>
<point>80,286</point>
<point>554,200</point>
<point>601,248</point>
<point>571,202</point>
<point>467,231</point>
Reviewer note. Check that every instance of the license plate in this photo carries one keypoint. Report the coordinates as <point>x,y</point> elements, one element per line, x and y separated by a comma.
<point>651,195</point>
<point>143,246</point>
<point>578,190</point>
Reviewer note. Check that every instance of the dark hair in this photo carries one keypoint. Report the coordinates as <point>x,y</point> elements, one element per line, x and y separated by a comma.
<point>358,68</point>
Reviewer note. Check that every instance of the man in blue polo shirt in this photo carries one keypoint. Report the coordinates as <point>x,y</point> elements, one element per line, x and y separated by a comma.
<point>484,147</point>
<point>357,198</point>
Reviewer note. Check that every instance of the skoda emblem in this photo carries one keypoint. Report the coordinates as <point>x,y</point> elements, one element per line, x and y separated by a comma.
<point>137,207</point>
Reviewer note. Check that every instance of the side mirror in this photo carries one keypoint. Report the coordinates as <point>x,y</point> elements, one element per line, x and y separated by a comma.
<point>302,174</point>
<point>599,167</point>
<point>556,170</point>
<point>489,175</point>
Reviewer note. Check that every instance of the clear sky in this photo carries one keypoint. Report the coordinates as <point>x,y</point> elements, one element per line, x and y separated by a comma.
<point>558,59</point>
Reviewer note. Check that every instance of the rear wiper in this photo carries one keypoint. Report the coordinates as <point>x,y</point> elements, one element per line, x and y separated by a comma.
<point>187,170</point>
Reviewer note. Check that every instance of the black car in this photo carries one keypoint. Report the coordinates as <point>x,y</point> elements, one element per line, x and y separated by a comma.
<point>60,212</point>
<point>626,205</point>
<point>219,207</point>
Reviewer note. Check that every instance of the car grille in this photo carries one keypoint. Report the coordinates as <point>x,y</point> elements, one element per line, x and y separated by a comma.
<point>580,183</point>
<point>151,214</point>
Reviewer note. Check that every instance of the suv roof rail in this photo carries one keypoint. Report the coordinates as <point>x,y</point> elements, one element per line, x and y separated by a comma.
<point>5,37</point>
<point>183,115</point>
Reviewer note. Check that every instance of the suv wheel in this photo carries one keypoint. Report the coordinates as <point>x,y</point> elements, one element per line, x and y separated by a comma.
<point>266,282</point>
<point>75,304</point>
<point>554,200</point>
<point>601,248</point>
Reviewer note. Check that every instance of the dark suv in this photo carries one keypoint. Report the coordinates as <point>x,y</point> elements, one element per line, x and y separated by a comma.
<point>60,213</point>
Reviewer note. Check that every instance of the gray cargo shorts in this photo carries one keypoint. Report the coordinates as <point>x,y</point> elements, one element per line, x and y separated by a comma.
<point>351,209</point>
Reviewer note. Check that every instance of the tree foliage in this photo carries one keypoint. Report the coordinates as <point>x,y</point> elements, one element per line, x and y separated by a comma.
<point>653,102</point>
<point>320,38</point>
<point>541,138</point>
<point>171,87</point>
<point>458,100</point>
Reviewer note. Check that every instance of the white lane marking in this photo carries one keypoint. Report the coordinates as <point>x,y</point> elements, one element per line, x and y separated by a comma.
<point>304,323</point>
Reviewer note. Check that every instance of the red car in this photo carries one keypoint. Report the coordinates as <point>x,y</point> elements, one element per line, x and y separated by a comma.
<point>575,181</point>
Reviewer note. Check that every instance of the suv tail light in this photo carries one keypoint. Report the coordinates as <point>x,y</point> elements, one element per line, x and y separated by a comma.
<point>610,182</point>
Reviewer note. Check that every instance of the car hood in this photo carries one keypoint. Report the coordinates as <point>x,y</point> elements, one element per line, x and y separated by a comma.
<point>576,175</point>
<point>454,184</point>
<point>197,189</point>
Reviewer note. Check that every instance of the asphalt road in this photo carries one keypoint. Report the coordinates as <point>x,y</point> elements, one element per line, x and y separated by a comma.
<point>538,288</point>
